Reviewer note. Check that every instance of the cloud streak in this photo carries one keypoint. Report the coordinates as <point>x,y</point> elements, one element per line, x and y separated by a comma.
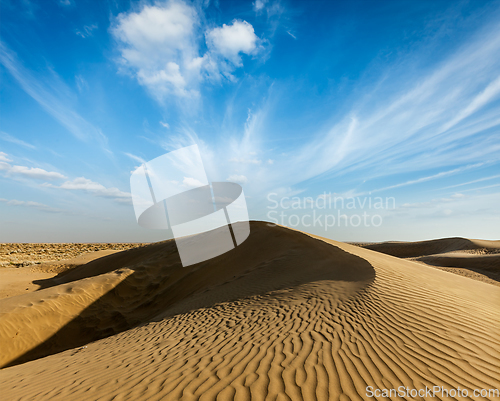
<point>429,178</point>
<point>49,92</point>
<point>9,138</point>
<point>31,204</point>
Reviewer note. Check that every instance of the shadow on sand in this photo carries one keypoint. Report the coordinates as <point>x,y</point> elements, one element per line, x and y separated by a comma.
<point>272,258</point>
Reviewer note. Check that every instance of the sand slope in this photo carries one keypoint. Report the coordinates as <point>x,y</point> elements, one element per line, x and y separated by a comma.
<point>284,316</point>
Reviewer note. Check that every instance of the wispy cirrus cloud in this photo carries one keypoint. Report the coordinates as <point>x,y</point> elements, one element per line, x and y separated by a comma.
<point>9,138</point>
<point>443,116</point>
<point>481,188</point>
<point>33,205</point>
<point>86,31</point>
<point>136,158</point>
<point>473,181</point>
<point>4,157</point>
<point>52,95</point>
<point>437,176</point>
<point>439,117</point>
<point>93,188</point>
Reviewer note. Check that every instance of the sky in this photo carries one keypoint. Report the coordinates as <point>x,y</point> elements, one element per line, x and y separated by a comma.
<point>357,121</point>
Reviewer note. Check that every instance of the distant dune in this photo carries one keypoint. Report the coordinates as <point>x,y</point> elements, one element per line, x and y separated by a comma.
<point>432,247</point>
<point>477,259</point>
<point>284,316</point>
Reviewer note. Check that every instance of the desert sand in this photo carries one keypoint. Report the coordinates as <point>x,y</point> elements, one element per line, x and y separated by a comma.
<point>284,316</point>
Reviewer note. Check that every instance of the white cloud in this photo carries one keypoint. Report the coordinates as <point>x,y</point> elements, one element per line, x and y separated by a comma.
<point>258,5</point>
<point>160,46</point>
<point>231,40</point>
<point>163,80</point>
<point>240,179</point>
<point>158,43</point>
<point>26,172</point>
<point>84,184</point>
<point>166,125</point>
<point>35,173</point>
<point>191,182</point>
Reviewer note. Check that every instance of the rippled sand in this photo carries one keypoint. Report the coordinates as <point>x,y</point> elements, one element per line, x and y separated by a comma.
<point>284,316</point>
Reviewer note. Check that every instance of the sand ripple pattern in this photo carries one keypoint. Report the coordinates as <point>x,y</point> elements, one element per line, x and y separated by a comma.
<point>410,326</point>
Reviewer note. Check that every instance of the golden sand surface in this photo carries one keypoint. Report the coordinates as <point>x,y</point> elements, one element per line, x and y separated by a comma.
<point>284,316</point>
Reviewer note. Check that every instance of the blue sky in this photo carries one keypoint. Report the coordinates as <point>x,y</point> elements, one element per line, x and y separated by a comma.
<point>313,100</point>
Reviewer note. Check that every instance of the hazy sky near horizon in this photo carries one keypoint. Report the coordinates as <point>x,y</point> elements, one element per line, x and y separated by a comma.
<point>390,107</point>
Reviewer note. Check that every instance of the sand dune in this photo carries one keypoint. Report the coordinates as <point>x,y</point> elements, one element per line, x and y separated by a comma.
<point>452,259</point>
<point>476,259</point>
<point>435,246</point>
<point>284,316</point>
